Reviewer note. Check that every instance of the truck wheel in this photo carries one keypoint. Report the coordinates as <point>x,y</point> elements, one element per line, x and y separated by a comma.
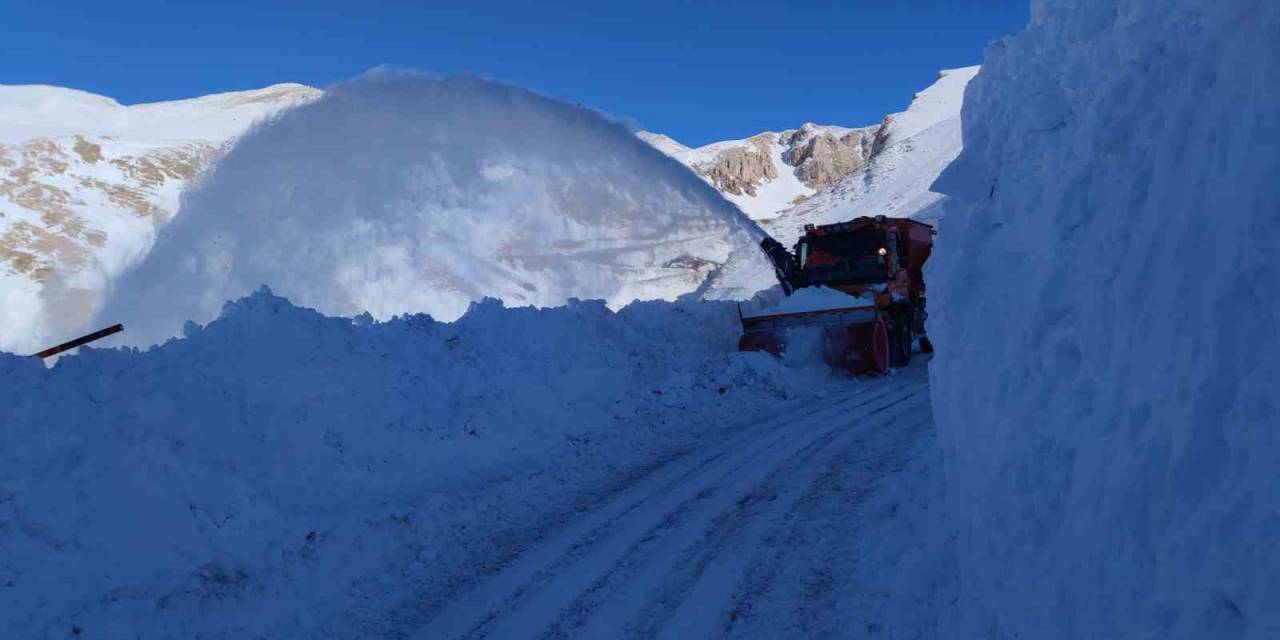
<point>880,347</point>
<point>900,339</point>
<point>908,336</point>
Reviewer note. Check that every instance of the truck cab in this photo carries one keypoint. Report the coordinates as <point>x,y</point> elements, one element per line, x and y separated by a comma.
<point>877,255</point>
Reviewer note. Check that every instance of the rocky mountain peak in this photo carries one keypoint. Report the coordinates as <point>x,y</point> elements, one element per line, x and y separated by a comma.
<point>739,170</point>
<point>824,155</point>
<point>771,171</point>
<point>813,167</point>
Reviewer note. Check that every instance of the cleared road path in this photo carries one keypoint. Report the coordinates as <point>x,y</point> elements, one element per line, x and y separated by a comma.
<point>751,539</point>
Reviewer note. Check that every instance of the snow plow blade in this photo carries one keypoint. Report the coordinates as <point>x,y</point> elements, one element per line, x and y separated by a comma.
<point>855,339</point>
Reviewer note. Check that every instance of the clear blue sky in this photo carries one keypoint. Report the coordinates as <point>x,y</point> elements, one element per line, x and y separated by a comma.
<point>698,71</point>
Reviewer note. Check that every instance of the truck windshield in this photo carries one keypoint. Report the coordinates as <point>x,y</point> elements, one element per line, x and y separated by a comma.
<point>852,257</point>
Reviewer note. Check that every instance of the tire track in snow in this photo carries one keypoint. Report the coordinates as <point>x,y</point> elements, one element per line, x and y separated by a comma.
<point>608,602</point>
<point>694,601</point>
<point>530,594</point>
<point>521,568</point>
<point>585,541</point>
<point>536,604</point>
<point>790,587</point>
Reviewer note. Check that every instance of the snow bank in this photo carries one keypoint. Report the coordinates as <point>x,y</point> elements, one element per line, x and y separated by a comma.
<point>1110,445</point>
<point>402,193</point>
<point>280,473</point>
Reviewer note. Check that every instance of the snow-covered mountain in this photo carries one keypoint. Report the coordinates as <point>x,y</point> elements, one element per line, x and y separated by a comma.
<point>906,154</point>
<point>398,193</point>
<point>85,182</point>
<point>818,174</point>
<point>770,172</point>
<point>913,147</point>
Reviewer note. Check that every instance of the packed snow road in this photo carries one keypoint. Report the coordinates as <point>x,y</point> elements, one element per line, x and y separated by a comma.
<point>755,537</point>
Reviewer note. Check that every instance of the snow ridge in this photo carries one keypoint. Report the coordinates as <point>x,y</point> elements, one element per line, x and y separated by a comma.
<point>41,111</point>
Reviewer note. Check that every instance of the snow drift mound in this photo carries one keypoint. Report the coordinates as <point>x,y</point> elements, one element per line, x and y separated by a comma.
<point>1107,311</point>
<point>278,471</point>
<point>398,192</point>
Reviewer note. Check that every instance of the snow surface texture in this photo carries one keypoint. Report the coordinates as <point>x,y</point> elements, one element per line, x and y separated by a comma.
<point>794,527</point>
<point>85,183</point>
<point>397,193</point>
<point>921,142</point>
<point>279,473</point>
<point>820,299</point>
<point>1107,310</point>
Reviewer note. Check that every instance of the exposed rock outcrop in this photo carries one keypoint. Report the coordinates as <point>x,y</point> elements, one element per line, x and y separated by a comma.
<point>819,169</point>
<point>740,170</point>
<point>821,158</point>
<point>770,172</point>
<point>85,183</point>
<point>57,180</point>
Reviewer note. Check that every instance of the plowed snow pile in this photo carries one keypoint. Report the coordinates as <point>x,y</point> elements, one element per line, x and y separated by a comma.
<point>284,474</point>
<point>1107,310</point>
<point>401,193</point>
<point>819,299</point>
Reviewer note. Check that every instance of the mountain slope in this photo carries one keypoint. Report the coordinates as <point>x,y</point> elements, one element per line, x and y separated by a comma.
<point>820,174</point>
<point>85,182</point>
<point>916,145</point>
<point>909,150</point>
<point>772,171</point>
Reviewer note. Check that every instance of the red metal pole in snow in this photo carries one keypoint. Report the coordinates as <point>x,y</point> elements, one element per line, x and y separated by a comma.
<point>82,340</point>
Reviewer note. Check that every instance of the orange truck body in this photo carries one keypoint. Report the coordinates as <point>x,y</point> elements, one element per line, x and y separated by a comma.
<point>878,255</point>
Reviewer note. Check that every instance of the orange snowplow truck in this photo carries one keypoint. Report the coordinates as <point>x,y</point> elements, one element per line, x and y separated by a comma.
<point>879,260</point>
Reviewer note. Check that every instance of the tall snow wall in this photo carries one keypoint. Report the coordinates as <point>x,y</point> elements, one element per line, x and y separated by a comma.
<point>1107,310</point>
<point>398,193</point>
